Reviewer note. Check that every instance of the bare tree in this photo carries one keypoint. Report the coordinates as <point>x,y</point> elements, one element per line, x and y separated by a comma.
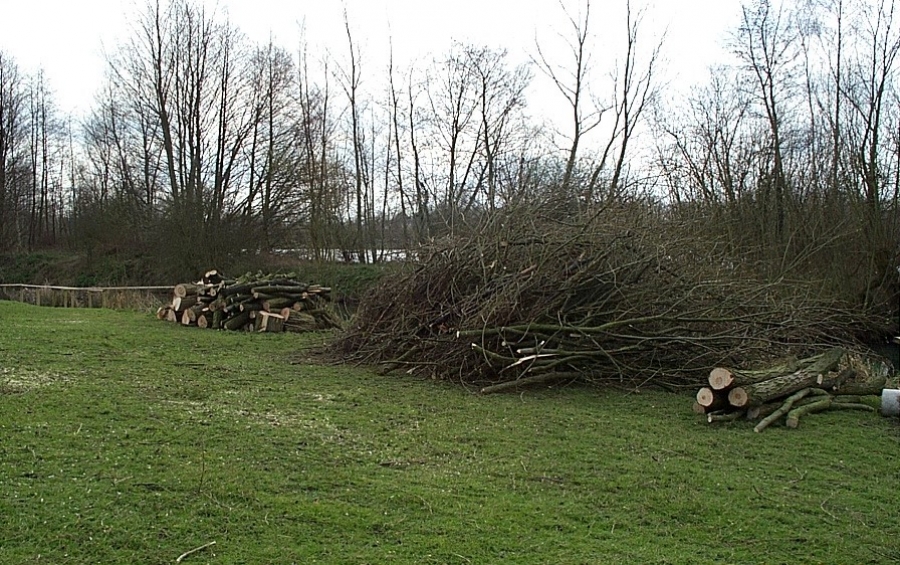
<point>766,44</point>
<point>573,83</point>
<point>350,78</point>
<point>12,95</point>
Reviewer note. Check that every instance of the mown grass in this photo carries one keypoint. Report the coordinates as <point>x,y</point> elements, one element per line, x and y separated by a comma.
<point>128,440</point>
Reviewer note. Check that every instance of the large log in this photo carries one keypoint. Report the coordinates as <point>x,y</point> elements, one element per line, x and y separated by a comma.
<point>268,322</point>
<point>764,391</point>
<point>721,378</point>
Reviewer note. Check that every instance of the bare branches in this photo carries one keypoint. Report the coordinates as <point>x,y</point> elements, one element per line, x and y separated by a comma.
<point>613,297</point>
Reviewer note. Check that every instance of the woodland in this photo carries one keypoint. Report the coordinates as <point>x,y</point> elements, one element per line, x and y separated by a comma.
<point>757,215</point>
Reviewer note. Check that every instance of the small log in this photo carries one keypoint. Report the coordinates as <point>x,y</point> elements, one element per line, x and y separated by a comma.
<point>726,416</point>
<point>204,320</point>
<point>251,306</point>
<point>163,312</point>
<point>212,277</point>
<point>186,289</point>
<point>194,311</point>
<point>218,318</point>
<point>182,303</point>
<point>172,316</point>
<point>764,391</point>
<point>763,410</point>
<point>276,304</point>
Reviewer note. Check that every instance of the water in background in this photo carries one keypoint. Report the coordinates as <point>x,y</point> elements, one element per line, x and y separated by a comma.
<point>890,351</point>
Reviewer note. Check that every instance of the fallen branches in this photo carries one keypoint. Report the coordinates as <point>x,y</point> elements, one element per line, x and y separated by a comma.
<point>607,296</point>
<point>819,383</point>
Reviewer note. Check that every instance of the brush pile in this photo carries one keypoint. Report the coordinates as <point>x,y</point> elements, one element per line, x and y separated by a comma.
<point>832,380</point>
<point>608,298</point>
<point>262,303</point>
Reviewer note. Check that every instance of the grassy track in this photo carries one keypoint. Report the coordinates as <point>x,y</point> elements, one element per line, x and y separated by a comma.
<point>128,440</point>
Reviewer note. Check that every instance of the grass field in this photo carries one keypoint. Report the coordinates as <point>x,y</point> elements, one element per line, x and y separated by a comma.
<point>128,440</point>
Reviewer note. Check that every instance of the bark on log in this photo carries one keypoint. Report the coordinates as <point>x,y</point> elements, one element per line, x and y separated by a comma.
<point>866,388</point>
<point>204,320</point>
<point>238,321</point>
<point>722,378</point>
<point>764,391</point>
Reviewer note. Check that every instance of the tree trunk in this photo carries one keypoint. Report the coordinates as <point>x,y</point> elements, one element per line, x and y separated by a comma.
<point>721,378</point>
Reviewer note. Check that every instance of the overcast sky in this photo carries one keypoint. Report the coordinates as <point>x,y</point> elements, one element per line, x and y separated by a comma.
<point>67,38</point>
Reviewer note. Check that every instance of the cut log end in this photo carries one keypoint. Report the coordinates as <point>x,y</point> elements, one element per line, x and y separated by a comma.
<point>738,397</point>
<point>706,397</point>
<point>720,378</point>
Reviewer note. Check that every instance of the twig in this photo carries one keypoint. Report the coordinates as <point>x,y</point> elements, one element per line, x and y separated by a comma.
<point>729,417</point>
<point>195,550</point>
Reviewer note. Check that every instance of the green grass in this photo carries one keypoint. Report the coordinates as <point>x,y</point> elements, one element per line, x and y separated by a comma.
<point>128,440</point>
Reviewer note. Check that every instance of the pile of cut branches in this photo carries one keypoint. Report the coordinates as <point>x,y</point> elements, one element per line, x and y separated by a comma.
<point>606,297</point>
<point>260,302</point>
<point>833,380</point>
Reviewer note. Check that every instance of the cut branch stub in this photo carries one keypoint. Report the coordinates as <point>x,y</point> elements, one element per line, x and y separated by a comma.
<point>764,391</point>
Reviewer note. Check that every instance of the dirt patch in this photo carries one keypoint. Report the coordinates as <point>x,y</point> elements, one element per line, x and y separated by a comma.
<point>19,381</point>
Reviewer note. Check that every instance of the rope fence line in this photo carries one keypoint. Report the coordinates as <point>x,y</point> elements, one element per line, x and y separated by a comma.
<point>114,297</point>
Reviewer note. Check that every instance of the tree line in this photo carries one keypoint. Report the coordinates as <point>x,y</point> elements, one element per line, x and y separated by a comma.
<point>214,145</point>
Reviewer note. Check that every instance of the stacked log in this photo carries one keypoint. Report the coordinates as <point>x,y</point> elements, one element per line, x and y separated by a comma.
<point>835,379</point>
<point>260,303</point>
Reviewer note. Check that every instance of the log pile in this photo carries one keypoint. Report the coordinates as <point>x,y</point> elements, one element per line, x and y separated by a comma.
<point>835,379</point>
<point>260,303</point>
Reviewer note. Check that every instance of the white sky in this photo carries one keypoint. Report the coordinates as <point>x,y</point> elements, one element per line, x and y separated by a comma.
<point>67,38</point>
